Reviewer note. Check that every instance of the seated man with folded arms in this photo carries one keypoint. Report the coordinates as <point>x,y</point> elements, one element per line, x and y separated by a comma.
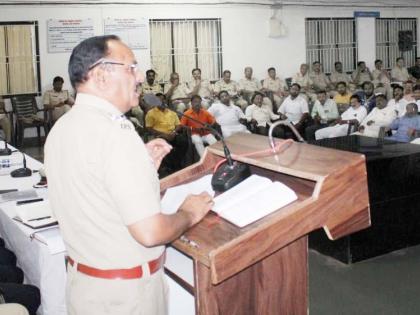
<point>342,98</point>
<point>177,94</point>
<point>59,101</point>
<point>200,134</point>
<point>353,115</point>
<point>164,123</point>
<point>337,75</point>
<point>201,87</point>
<point>228,85</point>
<point>259,116</point>
<point>230,117</point>
<point>302,78</point>
<point>398,103</point>
<point>381,79</point>
<point>276,87</point>
<point>407,127</point>
<point>324,113</point>
<point>400,73</point>
<point>247,87</point>
<point>361,74</point>
<point>380,117</point>
<point>5,122</point>
<point>295,109</point>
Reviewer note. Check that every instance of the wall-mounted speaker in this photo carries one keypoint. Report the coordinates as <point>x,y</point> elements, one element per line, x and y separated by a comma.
<point>405,40</point>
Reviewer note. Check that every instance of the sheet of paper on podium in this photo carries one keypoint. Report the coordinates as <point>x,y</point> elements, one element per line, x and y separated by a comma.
<point>247,202</point>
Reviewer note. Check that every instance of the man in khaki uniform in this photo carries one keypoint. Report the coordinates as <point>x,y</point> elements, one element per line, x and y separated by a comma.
<point>337,75</point>
<point>247,87</point>
<point>302,78</point>
<point>319,80</point>
<point>400,73</point>
<point>278,88</point>
<point>201,87</point>
<point>104,190</point>
<point>57,99</point>
<point>5,122</point>
<point>361,74</point>
<point>177,94</point>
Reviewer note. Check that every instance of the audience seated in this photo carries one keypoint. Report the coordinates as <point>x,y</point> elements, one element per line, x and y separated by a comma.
<point>408,91</point>
<point>57,100</point>
<point>367,96</point>
<point>164,123</point>
<point>177,94</point>
<point>200,135</point>
<point>275,88</point>
<point>416,94</point>
<point>407,126</point>
<point>324,114</point>
<point>5,123</point>
<point>352,116</point>
<point>302,78</point>
<point>361,74</point>
<point>414,71</point>
<point>226,84</point>
<point>320,81</point>
<point>399,73</point>
<point>258,115</point>
<point>247,87</point>
<point>230,117</point>
<point>201,87</point>
<point>342,98</point>
<point>380,117</point>
<point>150,86</point>
<point>295,109</point>
<point>337,75</point>
<point>398,102</point>
<point>381,79</point>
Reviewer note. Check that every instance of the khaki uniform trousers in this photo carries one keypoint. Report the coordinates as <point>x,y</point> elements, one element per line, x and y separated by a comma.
<point>7,128</point>
<point>13,309</point>
<point>59,111</point>
<point>86,295</point>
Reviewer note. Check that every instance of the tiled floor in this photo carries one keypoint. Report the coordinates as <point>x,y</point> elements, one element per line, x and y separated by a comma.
<point>387,285</point>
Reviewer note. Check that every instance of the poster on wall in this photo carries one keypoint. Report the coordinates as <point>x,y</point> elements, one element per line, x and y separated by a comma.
<point>65,34</point>
<point>133,32</point>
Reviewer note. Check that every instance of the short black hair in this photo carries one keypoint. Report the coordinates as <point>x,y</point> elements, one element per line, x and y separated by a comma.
<point>195,70</point>
<point>416,87</point>
<point>296,84</point>
<point>223,91</point>
<point>227,71</point>
<point>321,92</point>
<point>367,83</point>
<point>271,68</point>
<point>315,62</point>
<point>359,63</point>
<point>399,58</point>
<point>255,95</point>
<point>337,63</point>
<point>161,94</point>
<point>85,54</point>
<point>58,79</point>
<point>342,83</point>
<point>150,71</point>
<point>196,96</point>
<point>377,61</point>
<point>356,96</point>
<point>397,86</point>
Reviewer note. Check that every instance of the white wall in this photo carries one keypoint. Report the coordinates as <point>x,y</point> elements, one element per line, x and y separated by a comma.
<point>244,32</point>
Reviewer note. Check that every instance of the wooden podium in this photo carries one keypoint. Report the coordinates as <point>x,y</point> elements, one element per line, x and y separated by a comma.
<point>263,267</point>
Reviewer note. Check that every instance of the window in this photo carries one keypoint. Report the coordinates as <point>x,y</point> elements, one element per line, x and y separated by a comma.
<point>19,58</point>
<point>387,31</point>
<point>329,40</point>
<point>182,45</point>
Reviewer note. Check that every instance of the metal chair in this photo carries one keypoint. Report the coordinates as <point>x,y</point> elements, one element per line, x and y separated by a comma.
<point>25,110</point>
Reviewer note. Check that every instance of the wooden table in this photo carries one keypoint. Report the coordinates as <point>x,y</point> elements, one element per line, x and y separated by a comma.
<point>263,267</point>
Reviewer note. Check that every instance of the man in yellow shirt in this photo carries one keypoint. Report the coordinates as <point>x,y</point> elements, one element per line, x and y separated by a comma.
<point>164,123</point>
<point>342,98</point>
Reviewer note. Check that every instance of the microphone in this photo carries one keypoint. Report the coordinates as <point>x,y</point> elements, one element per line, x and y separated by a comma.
<point>284,123</point>
<point>226,176</point>
<point>22,172</point>
<point>6,150</point>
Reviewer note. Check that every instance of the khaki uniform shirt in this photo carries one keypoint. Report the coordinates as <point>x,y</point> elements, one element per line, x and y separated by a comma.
<point>363,77</point>
<point>181,91</point>
<point>336,77</point>
<point>100,180</point>
<point>146,88</point>
<point>400,74</point>
<point>379,77</point>
<point>54,98</point>
<point>249,85</point>
<point>303,80</point>
<point>274,85</point>
<point>204,90</point>
<point>319,80</point>
<point>231,87</point>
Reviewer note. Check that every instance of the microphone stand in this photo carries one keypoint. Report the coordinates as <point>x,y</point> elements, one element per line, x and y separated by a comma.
<point>23,171</point>
<point>6,150</point>
<point>285,123</point>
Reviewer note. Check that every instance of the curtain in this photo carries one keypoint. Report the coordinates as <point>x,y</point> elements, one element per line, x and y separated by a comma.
<point>184,49</point>
<point>161,49</point>
<point>208,48</point>
<point>3,78</point>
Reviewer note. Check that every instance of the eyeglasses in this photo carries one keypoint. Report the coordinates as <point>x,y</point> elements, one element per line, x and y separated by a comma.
<point>133,68</point>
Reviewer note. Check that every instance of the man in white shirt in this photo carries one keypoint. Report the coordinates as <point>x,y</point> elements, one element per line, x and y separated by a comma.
<point>295,109</point>
<point>324,113</point>
<point>259,115</point>
<point>398,103</point>
<point>399,73</point>
<point>353,115</point>
<point>201,87</point>
<point>380,116</point>
<point>230,117</point>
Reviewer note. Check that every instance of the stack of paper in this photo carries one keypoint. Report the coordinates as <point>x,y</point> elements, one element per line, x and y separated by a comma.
<point>36,214</point>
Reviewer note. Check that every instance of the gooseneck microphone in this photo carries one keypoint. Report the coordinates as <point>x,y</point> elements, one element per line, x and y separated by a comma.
<point>227,175</point>
<point>6,150</point>
<point>23,171</point>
